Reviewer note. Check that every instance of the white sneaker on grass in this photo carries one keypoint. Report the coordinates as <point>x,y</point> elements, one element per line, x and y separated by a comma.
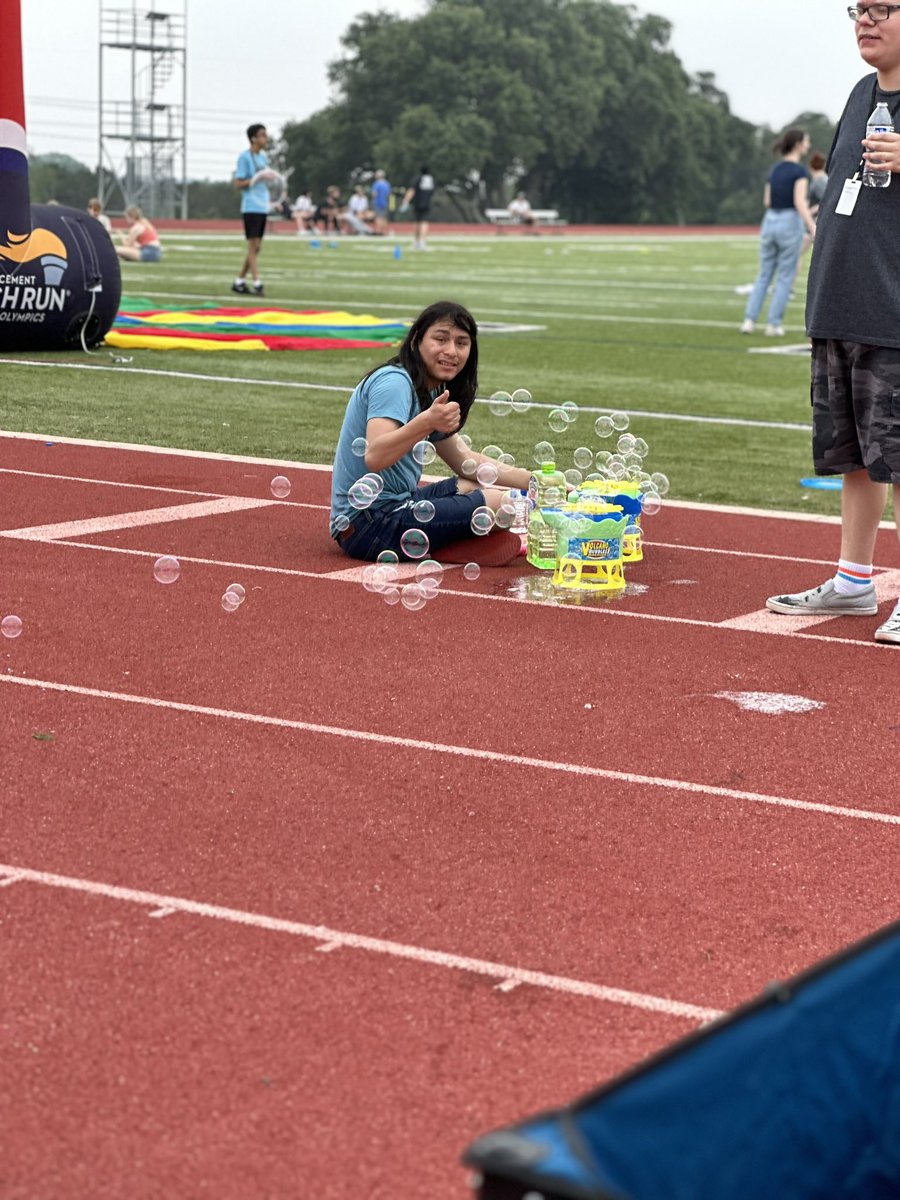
<point>825,600</point>
<point>748,326</point>
<point>774,331</point>
<point>890,630</point>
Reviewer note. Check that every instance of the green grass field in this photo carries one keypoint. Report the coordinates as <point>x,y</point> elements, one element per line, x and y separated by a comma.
<point>646,324</point>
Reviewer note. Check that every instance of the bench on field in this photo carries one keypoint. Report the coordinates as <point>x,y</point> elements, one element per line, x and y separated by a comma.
<point>540,216</point>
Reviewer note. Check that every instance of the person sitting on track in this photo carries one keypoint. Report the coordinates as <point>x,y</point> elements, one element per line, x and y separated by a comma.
<point>422,395</point>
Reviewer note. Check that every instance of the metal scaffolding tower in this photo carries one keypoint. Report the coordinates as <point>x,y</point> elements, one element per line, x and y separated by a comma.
<point>143,140</point>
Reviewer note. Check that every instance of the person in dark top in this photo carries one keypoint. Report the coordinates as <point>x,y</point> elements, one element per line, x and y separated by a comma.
<point>853,319</point>
<point>419,194</point>
<point>781,235</point>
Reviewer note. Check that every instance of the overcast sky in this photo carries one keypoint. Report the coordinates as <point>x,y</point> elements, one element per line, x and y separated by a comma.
<point>267,62</point>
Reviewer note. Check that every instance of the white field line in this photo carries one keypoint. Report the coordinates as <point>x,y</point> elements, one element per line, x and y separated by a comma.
<point>466,752</point>
<point>333,939</point>
<point>330,387</point>
<point>132,520</point>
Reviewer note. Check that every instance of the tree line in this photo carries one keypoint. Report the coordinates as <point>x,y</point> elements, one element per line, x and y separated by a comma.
<point>580,103</point>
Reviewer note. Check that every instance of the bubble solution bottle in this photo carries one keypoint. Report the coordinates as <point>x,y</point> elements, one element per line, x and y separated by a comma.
<point>547,489</point>
<point>879,122</point>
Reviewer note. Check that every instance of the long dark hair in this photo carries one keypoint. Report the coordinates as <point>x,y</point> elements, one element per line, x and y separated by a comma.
<point>463,387</point>
<point>788,140</point>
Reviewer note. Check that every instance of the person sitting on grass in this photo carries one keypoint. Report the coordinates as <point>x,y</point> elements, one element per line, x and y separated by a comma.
<point>422,395</point>
<point>141,242</point>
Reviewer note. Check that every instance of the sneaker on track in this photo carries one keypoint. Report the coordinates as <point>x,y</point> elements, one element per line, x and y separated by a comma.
<point>890,630</point>
<point>825,600</point>
<point>240,288</point>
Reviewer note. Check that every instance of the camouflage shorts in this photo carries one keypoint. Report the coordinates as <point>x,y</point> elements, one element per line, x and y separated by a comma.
<point>855,394</point>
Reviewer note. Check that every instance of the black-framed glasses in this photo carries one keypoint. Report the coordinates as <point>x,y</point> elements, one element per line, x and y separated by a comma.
<point>875,12</point>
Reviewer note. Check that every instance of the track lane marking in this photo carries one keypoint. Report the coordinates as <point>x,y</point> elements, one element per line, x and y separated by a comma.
<point>132,520</point>
<point>332,939</point>
<point>483,755</point>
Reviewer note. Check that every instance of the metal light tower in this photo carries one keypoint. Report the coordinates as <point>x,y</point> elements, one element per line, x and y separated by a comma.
<point>143,139</point>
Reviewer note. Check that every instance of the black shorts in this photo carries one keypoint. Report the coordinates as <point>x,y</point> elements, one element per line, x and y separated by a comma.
<point>855,393</point>
<point>254,225</point>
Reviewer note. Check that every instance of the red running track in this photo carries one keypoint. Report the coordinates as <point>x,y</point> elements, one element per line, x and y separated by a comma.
<point>303,898</point>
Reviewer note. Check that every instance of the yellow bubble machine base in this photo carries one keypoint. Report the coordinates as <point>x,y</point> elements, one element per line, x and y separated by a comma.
<point>589,540</point>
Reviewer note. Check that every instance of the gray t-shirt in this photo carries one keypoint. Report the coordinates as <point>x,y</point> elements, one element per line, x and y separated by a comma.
<point>853,292</point>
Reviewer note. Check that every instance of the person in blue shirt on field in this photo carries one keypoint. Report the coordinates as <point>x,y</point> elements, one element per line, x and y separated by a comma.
<point>419,399</point>
<point>381,202</point>
<point>250,177</point>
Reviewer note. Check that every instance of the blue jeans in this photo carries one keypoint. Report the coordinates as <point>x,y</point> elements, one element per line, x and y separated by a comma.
<point>375,529</point>
<point>780,239</point>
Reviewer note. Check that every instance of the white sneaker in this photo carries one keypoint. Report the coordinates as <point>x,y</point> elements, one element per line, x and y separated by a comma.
<point>890,630</point>
<point>748,326</point>
<point>774,331</point>
<point>825,600</point>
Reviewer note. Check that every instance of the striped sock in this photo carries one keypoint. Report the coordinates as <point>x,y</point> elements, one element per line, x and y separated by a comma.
<point>852,578</point>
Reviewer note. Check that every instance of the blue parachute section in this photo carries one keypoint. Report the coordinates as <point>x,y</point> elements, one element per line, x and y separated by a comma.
<point>796,1096</point>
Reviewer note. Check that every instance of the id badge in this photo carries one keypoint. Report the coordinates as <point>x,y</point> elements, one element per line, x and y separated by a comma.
<point>848,198</point>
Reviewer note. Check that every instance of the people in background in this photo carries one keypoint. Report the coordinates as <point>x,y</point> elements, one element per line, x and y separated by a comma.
<point>95,208</point>
<point>357,213</point>
<point>140,242</point>
<point>304,211</point>
<point>251,183</point>
<point>781,236</point>
<point>520,210</point>
<point>381,202</point>
<point>419,195</point>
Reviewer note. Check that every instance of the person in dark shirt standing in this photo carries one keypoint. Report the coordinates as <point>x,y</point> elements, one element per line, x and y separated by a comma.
<point>419,194</point>
<point>853,318</point>
<point>781,236</point>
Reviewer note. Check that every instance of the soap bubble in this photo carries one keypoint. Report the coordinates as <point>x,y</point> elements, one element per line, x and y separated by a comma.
<point>603,427</point>
<point>662,482</point>
<point>626,443</point>
<point>231,602</point>
<point>465,439</point>
<point>414,543</point>
<point>424,453</point>
<point>11,626</point>
<point>651,503</point>
<point>423,511</point>
<point>391,595</point>
<point>602,457</point>
<point>341,523</point>
<point>166,569</point>
<point>574,478</point>
<point>506,460</point>
<point>388,557</point>
<point>583,458</point>
<point>500,404</point>
<point>558,421</point>
<point>544,452</point>
<point>471,570</point>
<point>619,421</point>
<point>570,408</point>
<point>487,473</point>
<point>482,521</point>
<point>429,569</point>
<point>360,495</point>
<point>359,446</point>
<point>468,467</point>
<point>641,447</point>
<point>492,451</point>
<point>373,481</point>
<point>280,487</point>
<point>412,597</point>
<point>521,400</point>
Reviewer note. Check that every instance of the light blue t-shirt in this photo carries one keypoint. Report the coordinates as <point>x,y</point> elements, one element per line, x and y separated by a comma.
<point>381,193</point>
<point>254,199</point>
<point>388,392</point>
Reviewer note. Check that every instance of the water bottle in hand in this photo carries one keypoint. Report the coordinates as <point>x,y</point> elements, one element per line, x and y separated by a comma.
<point>879,122</point>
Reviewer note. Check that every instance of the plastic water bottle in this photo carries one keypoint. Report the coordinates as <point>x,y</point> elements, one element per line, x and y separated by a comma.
<point>547,489</point>
<point>879,122</point>
<point>522,507</point>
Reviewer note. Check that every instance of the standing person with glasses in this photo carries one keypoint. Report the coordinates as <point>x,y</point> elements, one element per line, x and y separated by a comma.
<point>853,318</point>
<point>781,236</point>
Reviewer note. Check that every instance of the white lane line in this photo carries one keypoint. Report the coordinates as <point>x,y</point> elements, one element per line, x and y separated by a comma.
<point>333,938</point>
<point>349,576</point>
<point>887,587</point>
<point>515,760</point>
<point>6,880</point>
<point>131,520</point>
